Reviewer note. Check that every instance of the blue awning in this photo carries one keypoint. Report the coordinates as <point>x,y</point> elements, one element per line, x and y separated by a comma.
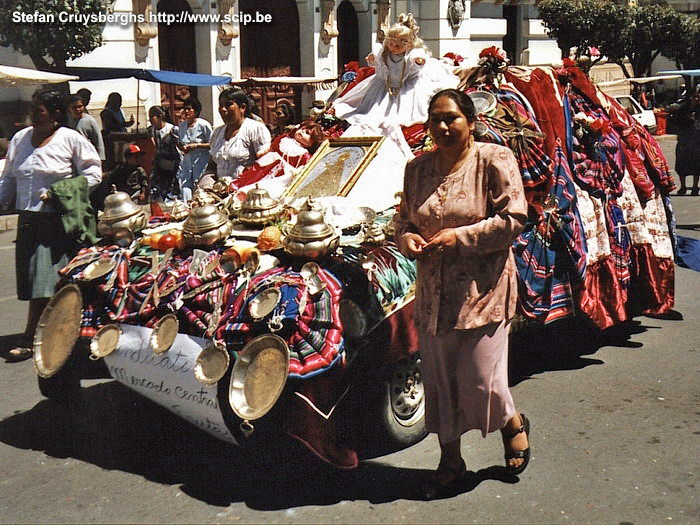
<point>684,72</point>
<point>151,75</point>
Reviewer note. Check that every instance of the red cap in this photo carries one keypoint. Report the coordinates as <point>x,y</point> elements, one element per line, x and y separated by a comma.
<point>132,148</point>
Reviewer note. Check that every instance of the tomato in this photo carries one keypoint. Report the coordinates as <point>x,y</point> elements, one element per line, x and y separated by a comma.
<point>154,240</point>
<point>166,242</point>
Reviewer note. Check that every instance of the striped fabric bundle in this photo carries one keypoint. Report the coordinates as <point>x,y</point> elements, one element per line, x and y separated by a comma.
<point>551,253</point>
<point>512,124</point>
<point>314,335</point>
<point>620,241</point>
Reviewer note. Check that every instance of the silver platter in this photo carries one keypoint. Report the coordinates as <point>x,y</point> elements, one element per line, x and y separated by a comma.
<point>484,102</point>
<point>212,364</point>
<point>259,376</point>
<point>264,303</point>
<point>105,341</point>
<point>164,333</point>
<point>98,269</point>
<point>58,330</point>
<point>352,317</point>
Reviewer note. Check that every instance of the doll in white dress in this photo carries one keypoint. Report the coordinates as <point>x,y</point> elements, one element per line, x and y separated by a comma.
<point>405,78</point>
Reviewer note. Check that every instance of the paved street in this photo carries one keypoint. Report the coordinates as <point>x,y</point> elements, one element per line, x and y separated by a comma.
<point>615,429</point>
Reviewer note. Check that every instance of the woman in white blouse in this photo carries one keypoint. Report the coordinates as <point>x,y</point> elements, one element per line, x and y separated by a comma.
<point>38,156</point>
<point>239,142</point>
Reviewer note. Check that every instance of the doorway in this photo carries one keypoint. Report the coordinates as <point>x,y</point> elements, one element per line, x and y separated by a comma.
<point>176,48</point>
<point>272,50</point>
<point>349,35</point>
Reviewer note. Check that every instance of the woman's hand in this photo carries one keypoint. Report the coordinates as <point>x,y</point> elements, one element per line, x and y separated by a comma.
<point>370,59</point>
<point>419,60</point>
<point>414,244</point>
<point>446,238</point>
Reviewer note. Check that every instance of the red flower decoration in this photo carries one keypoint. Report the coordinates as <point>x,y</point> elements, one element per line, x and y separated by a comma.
<point>494,52</point>
<point>456,59</point>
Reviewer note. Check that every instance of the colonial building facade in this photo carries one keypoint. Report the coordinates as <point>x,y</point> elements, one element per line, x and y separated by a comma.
<point>309,38</point>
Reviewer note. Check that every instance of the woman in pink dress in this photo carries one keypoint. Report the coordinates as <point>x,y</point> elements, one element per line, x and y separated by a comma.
<point>462,208</point>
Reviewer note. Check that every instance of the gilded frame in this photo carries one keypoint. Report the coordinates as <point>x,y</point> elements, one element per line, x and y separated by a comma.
<point>349,173</point>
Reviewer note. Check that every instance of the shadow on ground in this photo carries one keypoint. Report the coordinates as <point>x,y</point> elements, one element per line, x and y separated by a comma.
<point>563,346</point>
<point>116,429</point>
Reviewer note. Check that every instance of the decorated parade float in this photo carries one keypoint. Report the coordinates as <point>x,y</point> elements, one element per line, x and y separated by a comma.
<point>284,305</point>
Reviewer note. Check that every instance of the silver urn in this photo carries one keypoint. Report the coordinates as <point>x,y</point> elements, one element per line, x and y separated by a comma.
<point>206,226</point>
<point>259,208</point>
<point>311,236</point>
<point>120,212</point>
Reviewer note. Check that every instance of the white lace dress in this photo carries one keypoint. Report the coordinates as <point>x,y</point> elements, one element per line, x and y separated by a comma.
<point>370,101</point>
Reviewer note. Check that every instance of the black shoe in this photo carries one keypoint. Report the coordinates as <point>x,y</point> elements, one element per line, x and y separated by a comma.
<point>520,454</point>
<point>436,485</point>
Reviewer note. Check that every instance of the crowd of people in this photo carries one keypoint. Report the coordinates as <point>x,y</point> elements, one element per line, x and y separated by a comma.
<point>65,151</point>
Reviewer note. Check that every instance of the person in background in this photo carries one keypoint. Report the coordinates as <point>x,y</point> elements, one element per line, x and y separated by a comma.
<point>167,157</point>
<point>239,142</point>
<point>462,207</point>
<point>84,124</point>
<point>284,117</point>
<point>112,116</point>
<point>86,95</point>
<point>128,176</point>
<point>686,116</point>
<point>254,112</point>
<point>194,134</point>
<point>39,156</point>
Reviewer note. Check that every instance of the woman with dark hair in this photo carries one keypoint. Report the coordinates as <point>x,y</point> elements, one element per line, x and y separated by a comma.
<point>112,116</point>
<point>39,157</point>
<point>167,157</point>
<point>463,205</point>
<point>239,142</point>
<point>195,134</point>
<point>284,117</point>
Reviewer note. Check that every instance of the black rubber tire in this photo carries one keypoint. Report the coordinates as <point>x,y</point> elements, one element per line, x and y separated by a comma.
<point>63,387</point>
<point>392,423</point>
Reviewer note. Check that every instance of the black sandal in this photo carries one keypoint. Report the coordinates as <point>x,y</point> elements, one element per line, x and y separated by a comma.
<point>519,454</point>
<point>432,487</point>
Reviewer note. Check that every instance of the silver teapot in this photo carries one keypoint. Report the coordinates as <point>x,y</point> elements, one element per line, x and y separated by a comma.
<point>311,236</point>
<point>206,226</point>
<point>120,212</point>
<point>259,208</point>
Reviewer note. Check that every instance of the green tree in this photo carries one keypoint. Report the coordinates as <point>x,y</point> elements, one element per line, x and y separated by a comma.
<point>50,45</point>
<point>637,33</point>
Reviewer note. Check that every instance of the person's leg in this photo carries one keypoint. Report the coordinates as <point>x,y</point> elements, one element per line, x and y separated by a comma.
<point>450,472</point>
<point>513,440</point>
<point>683,189</point>
<point>23,350</point>
<point>695,189</point>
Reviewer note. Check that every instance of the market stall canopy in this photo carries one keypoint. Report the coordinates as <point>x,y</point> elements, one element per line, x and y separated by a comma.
<point>19,76</point>
<point>151,75</point>
<point>306,82</point>
<point>638,80</point>
<point>684,72</point>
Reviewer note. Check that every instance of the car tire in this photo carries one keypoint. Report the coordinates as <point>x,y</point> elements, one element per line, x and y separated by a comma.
<point>63,387</point>
<point>397,419</point>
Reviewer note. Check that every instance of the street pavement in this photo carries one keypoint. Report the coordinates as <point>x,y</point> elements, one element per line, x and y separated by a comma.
<point>615,427</point>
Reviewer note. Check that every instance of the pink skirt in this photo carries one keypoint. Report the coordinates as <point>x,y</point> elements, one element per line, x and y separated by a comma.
<point>465,375</point>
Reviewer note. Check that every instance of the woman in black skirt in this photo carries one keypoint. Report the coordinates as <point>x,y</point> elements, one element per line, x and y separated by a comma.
<point>38,156</point>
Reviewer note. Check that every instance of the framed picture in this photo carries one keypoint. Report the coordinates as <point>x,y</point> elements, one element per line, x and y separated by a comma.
<point>335,167</point>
